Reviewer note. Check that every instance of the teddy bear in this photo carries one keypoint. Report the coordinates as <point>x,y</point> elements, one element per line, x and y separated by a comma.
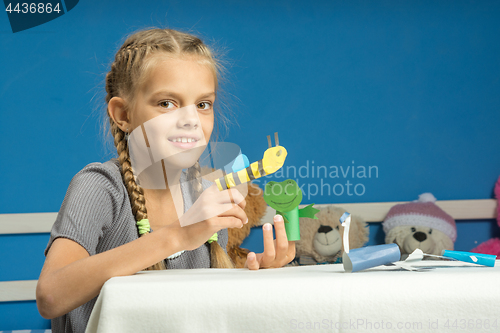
<point>321,239</point>
<point>420,225</point>
<point>492,246</point>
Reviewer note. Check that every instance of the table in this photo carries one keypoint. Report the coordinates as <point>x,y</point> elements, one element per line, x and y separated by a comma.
<point>446,298</point>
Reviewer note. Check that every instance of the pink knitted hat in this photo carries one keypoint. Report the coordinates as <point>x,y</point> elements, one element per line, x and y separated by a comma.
<point>423,212</point>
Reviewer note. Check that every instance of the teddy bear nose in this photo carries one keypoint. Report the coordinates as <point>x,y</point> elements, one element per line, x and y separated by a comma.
<point>325,229</point>
<point>420,236</point>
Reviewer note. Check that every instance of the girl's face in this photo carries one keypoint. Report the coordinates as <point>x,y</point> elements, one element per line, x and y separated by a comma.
<point>179,93</point>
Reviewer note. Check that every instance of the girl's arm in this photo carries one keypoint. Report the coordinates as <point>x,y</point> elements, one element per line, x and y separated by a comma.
<point>71,277</point>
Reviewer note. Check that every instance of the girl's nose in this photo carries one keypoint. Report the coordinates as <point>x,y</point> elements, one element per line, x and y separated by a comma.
<point>188,117</point>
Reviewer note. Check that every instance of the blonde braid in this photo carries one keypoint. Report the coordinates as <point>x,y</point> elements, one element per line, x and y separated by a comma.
<point>135,192</point>
<point>218,258</point>
<point>194,175</point>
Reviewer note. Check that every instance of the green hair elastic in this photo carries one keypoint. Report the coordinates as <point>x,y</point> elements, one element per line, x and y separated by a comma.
<point>212,239</point>
<point>143,226</point>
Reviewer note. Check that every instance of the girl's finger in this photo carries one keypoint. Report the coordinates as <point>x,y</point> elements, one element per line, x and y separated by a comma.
<point>232,196</point>
<point>237,198</point>
<point>269,252</point>
<point>252,262</point>
<point>237,212</point>
<point>229,222</point>
<point>281,238</point>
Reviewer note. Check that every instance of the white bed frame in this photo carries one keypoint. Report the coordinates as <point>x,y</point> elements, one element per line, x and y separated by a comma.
<point>371,212</point>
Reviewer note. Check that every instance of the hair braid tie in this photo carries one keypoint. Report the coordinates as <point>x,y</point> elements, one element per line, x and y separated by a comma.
<point>143,226</point>
<point>213,238</point>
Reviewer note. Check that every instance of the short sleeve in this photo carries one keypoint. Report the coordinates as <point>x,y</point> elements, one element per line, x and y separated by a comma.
<point>92,202</point>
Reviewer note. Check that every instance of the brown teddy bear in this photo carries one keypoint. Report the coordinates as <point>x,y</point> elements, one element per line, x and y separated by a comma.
<point>321,239</point>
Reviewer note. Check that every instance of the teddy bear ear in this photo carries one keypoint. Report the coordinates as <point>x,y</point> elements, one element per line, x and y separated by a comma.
<point>443,242</point>
<point>391,236</point>
<point>335,212</point>
<point>358,232</point>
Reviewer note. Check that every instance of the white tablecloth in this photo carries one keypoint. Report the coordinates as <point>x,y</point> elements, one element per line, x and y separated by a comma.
<point>321,298</point>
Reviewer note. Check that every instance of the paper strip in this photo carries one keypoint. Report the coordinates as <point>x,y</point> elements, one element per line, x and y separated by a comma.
<point>345,220</point>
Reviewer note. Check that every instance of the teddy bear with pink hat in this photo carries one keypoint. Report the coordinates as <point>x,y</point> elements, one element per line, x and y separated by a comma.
<point>421,225</point>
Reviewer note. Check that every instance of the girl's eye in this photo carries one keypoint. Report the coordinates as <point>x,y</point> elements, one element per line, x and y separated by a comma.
<point>204,106</point>
<point>167,104</point>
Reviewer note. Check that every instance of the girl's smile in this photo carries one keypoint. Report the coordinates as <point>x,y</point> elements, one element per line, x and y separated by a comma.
<point>184,141</point>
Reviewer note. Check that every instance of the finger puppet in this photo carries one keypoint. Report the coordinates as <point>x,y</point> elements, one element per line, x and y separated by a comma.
<point>244,172</point>
<point>321,238</point>
<point>273,160</point>
<point>492,246</point>
<point>420,224</point>
<point>285,197</point>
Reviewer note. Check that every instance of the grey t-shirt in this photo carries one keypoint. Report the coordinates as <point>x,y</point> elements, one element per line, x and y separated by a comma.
<point>96,213</point>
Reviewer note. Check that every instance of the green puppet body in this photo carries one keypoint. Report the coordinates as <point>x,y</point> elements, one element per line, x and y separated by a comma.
<point>285,197</point>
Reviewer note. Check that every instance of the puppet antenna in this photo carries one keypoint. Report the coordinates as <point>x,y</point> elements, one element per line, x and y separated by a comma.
<point>276,141</point>
<point>269,141</point>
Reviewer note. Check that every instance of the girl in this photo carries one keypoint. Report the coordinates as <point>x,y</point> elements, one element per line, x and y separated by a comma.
<point>156,73</point>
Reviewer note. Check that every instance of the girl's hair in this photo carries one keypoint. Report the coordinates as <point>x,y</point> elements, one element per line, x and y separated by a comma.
<point>130,69</point>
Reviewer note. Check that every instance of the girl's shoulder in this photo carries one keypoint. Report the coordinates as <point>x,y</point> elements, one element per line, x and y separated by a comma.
<point>96,203</point>
<point>111,168</point>
<point>105,175</point>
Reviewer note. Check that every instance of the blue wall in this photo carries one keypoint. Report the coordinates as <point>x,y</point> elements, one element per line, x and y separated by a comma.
<point>410,89</point>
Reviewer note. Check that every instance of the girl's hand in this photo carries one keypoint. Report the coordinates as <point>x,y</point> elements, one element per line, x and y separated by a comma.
<point>277,253</point>
<point>213,210</point>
